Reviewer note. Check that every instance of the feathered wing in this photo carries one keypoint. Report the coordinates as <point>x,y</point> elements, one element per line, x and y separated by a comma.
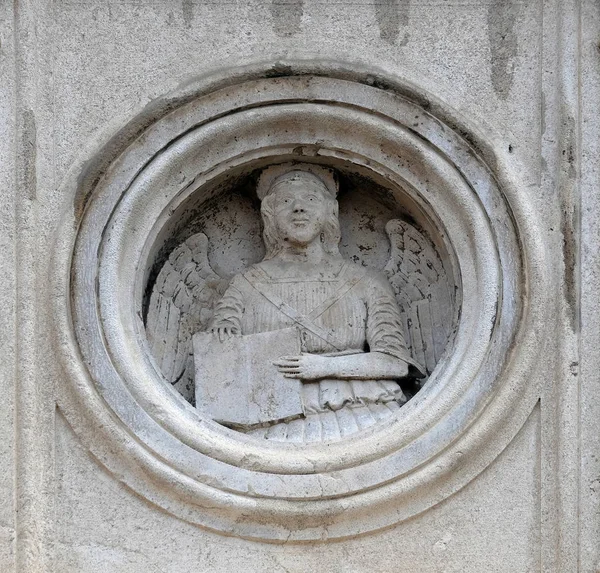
<point>423,290</point>
<point>181,303</point>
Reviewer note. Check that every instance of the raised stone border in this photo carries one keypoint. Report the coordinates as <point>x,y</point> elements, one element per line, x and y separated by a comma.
<point>142,430</point>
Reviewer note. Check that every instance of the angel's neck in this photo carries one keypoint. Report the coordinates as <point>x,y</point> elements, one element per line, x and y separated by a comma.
<point>294,253</point>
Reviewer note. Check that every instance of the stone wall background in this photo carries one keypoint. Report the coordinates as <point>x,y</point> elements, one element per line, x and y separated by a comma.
<point>526,71</point>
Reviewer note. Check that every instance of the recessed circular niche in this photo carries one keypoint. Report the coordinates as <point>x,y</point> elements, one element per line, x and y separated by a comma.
<point>189,163</point>
<point>227,211</point>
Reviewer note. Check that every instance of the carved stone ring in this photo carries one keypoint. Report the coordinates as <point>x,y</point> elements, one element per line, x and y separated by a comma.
<point>136,196</point>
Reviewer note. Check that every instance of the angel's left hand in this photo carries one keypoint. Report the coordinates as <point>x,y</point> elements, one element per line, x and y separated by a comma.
<point>304,366</point>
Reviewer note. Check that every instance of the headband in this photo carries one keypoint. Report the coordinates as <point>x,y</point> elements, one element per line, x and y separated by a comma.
<point>275,175</point>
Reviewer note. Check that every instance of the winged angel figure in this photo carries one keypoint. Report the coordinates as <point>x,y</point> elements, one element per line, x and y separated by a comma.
<point>363,332</point>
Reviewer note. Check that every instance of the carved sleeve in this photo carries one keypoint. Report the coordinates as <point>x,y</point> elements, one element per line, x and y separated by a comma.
<point>228,311</point>
<point>384,324</point>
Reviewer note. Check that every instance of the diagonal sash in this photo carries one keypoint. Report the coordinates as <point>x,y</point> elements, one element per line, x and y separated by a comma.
<point>307,322</point>
<point>337,295</point>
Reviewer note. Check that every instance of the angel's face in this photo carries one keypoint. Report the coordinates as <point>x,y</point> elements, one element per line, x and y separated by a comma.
<point>300,212</point>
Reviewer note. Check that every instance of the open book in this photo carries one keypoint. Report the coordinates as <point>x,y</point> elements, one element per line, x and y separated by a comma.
<point>237,383</point>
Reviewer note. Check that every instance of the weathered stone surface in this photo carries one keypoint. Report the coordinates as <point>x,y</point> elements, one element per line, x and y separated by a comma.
<point>352,336</point>
<point>237,383</point>
<point>124,533</point>
<point>133,127</point>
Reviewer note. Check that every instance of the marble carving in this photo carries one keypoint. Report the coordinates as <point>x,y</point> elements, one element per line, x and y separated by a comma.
<point>176,379</point>
<point>306,345</point>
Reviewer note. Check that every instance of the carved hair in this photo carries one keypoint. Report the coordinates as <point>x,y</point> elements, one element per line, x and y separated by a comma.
<point>330,232</point>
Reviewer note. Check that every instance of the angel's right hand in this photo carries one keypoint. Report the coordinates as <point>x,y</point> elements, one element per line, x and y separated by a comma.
<point>225,332</point>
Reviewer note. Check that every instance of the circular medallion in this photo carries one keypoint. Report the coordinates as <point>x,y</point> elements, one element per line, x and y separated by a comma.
<point>169,219</point>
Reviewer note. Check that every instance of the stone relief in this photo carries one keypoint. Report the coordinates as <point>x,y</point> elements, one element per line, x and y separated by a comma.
<point>305,345</point>
<point>154,214</point>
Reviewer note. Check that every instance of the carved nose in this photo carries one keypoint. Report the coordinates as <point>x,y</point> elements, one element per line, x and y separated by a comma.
<point>298,209</point>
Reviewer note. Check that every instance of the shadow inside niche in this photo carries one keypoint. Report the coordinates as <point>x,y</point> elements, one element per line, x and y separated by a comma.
<point>190,273</point>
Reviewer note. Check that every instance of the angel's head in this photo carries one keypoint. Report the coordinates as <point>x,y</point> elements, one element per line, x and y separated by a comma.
<point>299,208</point>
